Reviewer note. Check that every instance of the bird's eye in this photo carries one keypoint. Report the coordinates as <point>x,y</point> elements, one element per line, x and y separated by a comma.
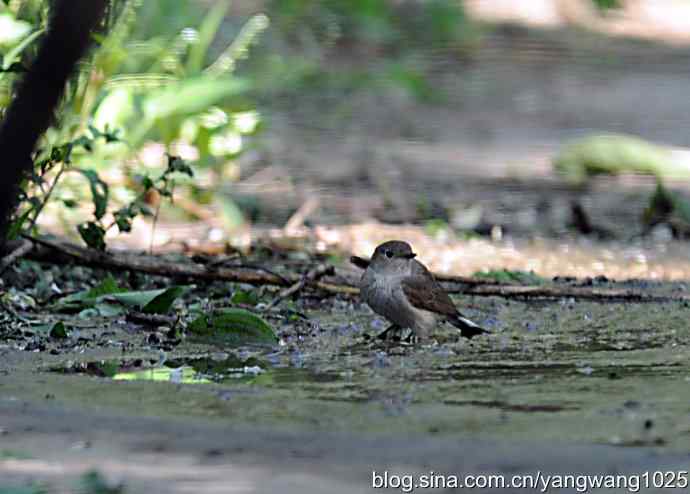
<point>389,254</point>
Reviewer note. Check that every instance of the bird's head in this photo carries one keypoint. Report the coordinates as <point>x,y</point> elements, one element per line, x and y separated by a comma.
<point>394,255</point>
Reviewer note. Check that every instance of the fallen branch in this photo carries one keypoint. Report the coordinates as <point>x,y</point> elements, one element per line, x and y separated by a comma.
<point>313,275</point>
<point>20,251</point>
<point>155,265</point>
<point>294,283</point>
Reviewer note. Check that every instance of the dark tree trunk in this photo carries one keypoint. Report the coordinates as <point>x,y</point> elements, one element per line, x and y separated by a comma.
<point>37,96</point>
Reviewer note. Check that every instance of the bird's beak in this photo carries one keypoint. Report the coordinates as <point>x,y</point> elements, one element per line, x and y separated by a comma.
<point>359,262</point>
<point>411,255</point>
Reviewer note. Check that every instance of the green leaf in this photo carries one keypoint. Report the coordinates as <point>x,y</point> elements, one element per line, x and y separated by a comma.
<point>99,192</point>
<point>125,215</point>
<point>58,331</point>
<point>88,298</point>
<point>207,32</point>
<point>245,297</point>
<point>12,55</point>
<point>117,109</point>
<point>17,225</point>
<point>232,326</point>
<point>151,301</point>
<point>103,298</point>
<point>16,68</point>
<point>191,96</point>
<point>163,302</point>
<point>107,286</point>
<point>93,235</point>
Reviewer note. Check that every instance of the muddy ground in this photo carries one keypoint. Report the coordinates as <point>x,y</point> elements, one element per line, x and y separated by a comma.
<point>560,385</point>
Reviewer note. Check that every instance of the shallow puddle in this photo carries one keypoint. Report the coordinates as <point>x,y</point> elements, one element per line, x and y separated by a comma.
<point>220,368</point>
<point>569,370</point>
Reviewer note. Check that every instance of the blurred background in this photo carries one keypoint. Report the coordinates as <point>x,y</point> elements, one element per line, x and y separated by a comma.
<point>545,135</point>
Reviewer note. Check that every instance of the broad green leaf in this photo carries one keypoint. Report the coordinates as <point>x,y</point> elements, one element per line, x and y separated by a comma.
<point>88,298</point>
<point>232,326</point>
<point>151,301</point>
<point>104,299</point>
<point>163,302</point>
<point>58,331</point>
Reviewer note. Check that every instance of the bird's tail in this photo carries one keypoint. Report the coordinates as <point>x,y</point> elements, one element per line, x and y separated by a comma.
<point>467,328</point>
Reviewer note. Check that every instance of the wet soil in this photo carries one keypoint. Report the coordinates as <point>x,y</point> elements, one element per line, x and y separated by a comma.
<point>595,387</point>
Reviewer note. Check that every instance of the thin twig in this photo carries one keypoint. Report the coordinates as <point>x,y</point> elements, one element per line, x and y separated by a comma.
<point>153,226</point>
<point>297,220</point>
<point>46,197</point>
<point>313,275</point>
<point>553,292</point>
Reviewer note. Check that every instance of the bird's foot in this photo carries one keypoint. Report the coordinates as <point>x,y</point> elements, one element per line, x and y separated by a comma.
<point>411,338</point>
<point>390,333</point>
<point>397,335</point>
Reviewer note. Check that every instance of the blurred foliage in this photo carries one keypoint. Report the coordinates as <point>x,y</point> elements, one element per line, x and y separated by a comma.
<point>612,154</point>
<point>151,79</point>
<point>345,46</point>
<point>386,25</point>
<point>607,4</point>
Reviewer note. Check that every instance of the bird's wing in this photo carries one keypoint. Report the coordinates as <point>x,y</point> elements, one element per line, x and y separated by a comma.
<point>425,293</point>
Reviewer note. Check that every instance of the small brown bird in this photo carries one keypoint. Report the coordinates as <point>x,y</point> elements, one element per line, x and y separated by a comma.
<point>401,289</point>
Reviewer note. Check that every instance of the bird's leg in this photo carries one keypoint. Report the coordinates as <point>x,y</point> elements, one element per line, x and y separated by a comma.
<point>393,328</point>
<point>411,338</point>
